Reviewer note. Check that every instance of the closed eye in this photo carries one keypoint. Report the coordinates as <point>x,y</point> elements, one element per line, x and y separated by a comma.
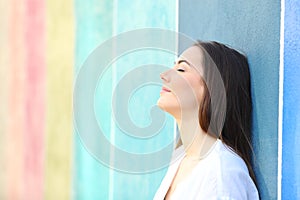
<point>180,70</point>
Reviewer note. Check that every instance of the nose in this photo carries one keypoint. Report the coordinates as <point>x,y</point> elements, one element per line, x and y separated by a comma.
<point>164,76</point>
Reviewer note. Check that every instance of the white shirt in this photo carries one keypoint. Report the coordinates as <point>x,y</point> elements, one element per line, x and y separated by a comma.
<point>221,175</point>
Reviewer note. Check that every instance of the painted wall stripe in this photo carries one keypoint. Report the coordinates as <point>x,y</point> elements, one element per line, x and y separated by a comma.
<point>34,103</point>
<point>112,123</point>
<point>4,72</point>
<point>280,101</point>
<point>149,14</point>
<point>175,130</point>
<point>93,26</point>
<point>59,67</point>
<point>291,107</point>
<point>16,98</point>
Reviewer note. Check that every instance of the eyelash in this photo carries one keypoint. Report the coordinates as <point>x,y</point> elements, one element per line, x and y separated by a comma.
<point>180,70</point>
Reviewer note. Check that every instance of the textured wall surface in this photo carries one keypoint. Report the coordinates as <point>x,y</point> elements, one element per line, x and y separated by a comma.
<point>60,61</point>
<point>291,105</point>
<point>93,26</point>
<point>3,93</point>
<point>253,27</point>
<point>146,14</point>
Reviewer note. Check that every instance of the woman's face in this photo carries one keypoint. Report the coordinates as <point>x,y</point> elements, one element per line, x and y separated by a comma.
<point>182,85</point>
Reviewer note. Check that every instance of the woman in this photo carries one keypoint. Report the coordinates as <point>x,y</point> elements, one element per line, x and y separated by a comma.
<point>208,93</point>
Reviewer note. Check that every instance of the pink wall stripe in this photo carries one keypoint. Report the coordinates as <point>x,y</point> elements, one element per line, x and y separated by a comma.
<point>34,99</point>
<point>16,98</point>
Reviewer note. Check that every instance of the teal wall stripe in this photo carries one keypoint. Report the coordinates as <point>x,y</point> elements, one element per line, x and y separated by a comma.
<point>134,14</point>
<point>93,26</point>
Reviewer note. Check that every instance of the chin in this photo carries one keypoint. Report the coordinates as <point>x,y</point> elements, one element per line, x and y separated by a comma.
<point>168,107</point>
<point>160,104</point>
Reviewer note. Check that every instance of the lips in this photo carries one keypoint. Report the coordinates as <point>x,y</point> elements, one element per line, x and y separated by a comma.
<point>164,89</point>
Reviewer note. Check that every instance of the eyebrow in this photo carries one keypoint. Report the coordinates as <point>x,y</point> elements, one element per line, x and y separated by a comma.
<point>181,61</point>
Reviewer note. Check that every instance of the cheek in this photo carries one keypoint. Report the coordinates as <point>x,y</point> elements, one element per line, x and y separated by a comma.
<point>190,92</point>
<point>199,92</point>
<point>186,94</point>
<point>197,86</point>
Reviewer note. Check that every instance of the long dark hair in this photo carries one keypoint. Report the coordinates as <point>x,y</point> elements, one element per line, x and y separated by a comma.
<point>234,69</point>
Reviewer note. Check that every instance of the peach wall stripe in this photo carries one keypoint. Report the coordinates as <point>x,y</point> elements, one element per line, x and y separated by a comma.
<point>16,99</point>
<point>60,61</point>
<point>34,31</point>
<point>4,71</point>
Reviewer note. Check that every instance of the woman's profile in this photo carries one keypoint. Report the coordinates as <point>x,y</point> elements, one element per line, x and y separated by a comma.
<point>214,122</point>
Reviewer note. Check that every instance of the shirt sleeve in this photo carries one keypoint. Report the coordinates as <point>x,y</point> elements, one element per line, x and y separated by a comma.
<point>237,185</point>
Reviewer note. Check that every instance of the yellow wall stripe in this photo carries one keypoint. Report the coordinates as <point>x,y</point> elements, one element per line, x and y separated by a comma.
<point>59,61</point>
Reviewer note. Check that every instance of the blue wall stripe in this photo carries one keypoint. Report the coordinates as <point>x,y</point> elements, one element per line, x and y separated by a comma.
<point>291,105</point>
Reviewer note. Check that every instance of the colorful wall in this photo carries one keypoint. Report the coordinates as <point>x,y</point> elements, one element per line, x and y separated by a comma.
<point>44,45</point>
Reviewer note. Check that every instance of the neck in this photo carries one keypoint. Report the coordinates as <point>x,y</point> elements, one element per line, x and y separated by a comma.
<point>197,143</point>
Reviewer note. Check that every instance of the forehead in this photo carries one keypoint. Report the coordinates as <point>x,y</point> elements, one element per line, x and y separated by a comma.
<point>194,56</point>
